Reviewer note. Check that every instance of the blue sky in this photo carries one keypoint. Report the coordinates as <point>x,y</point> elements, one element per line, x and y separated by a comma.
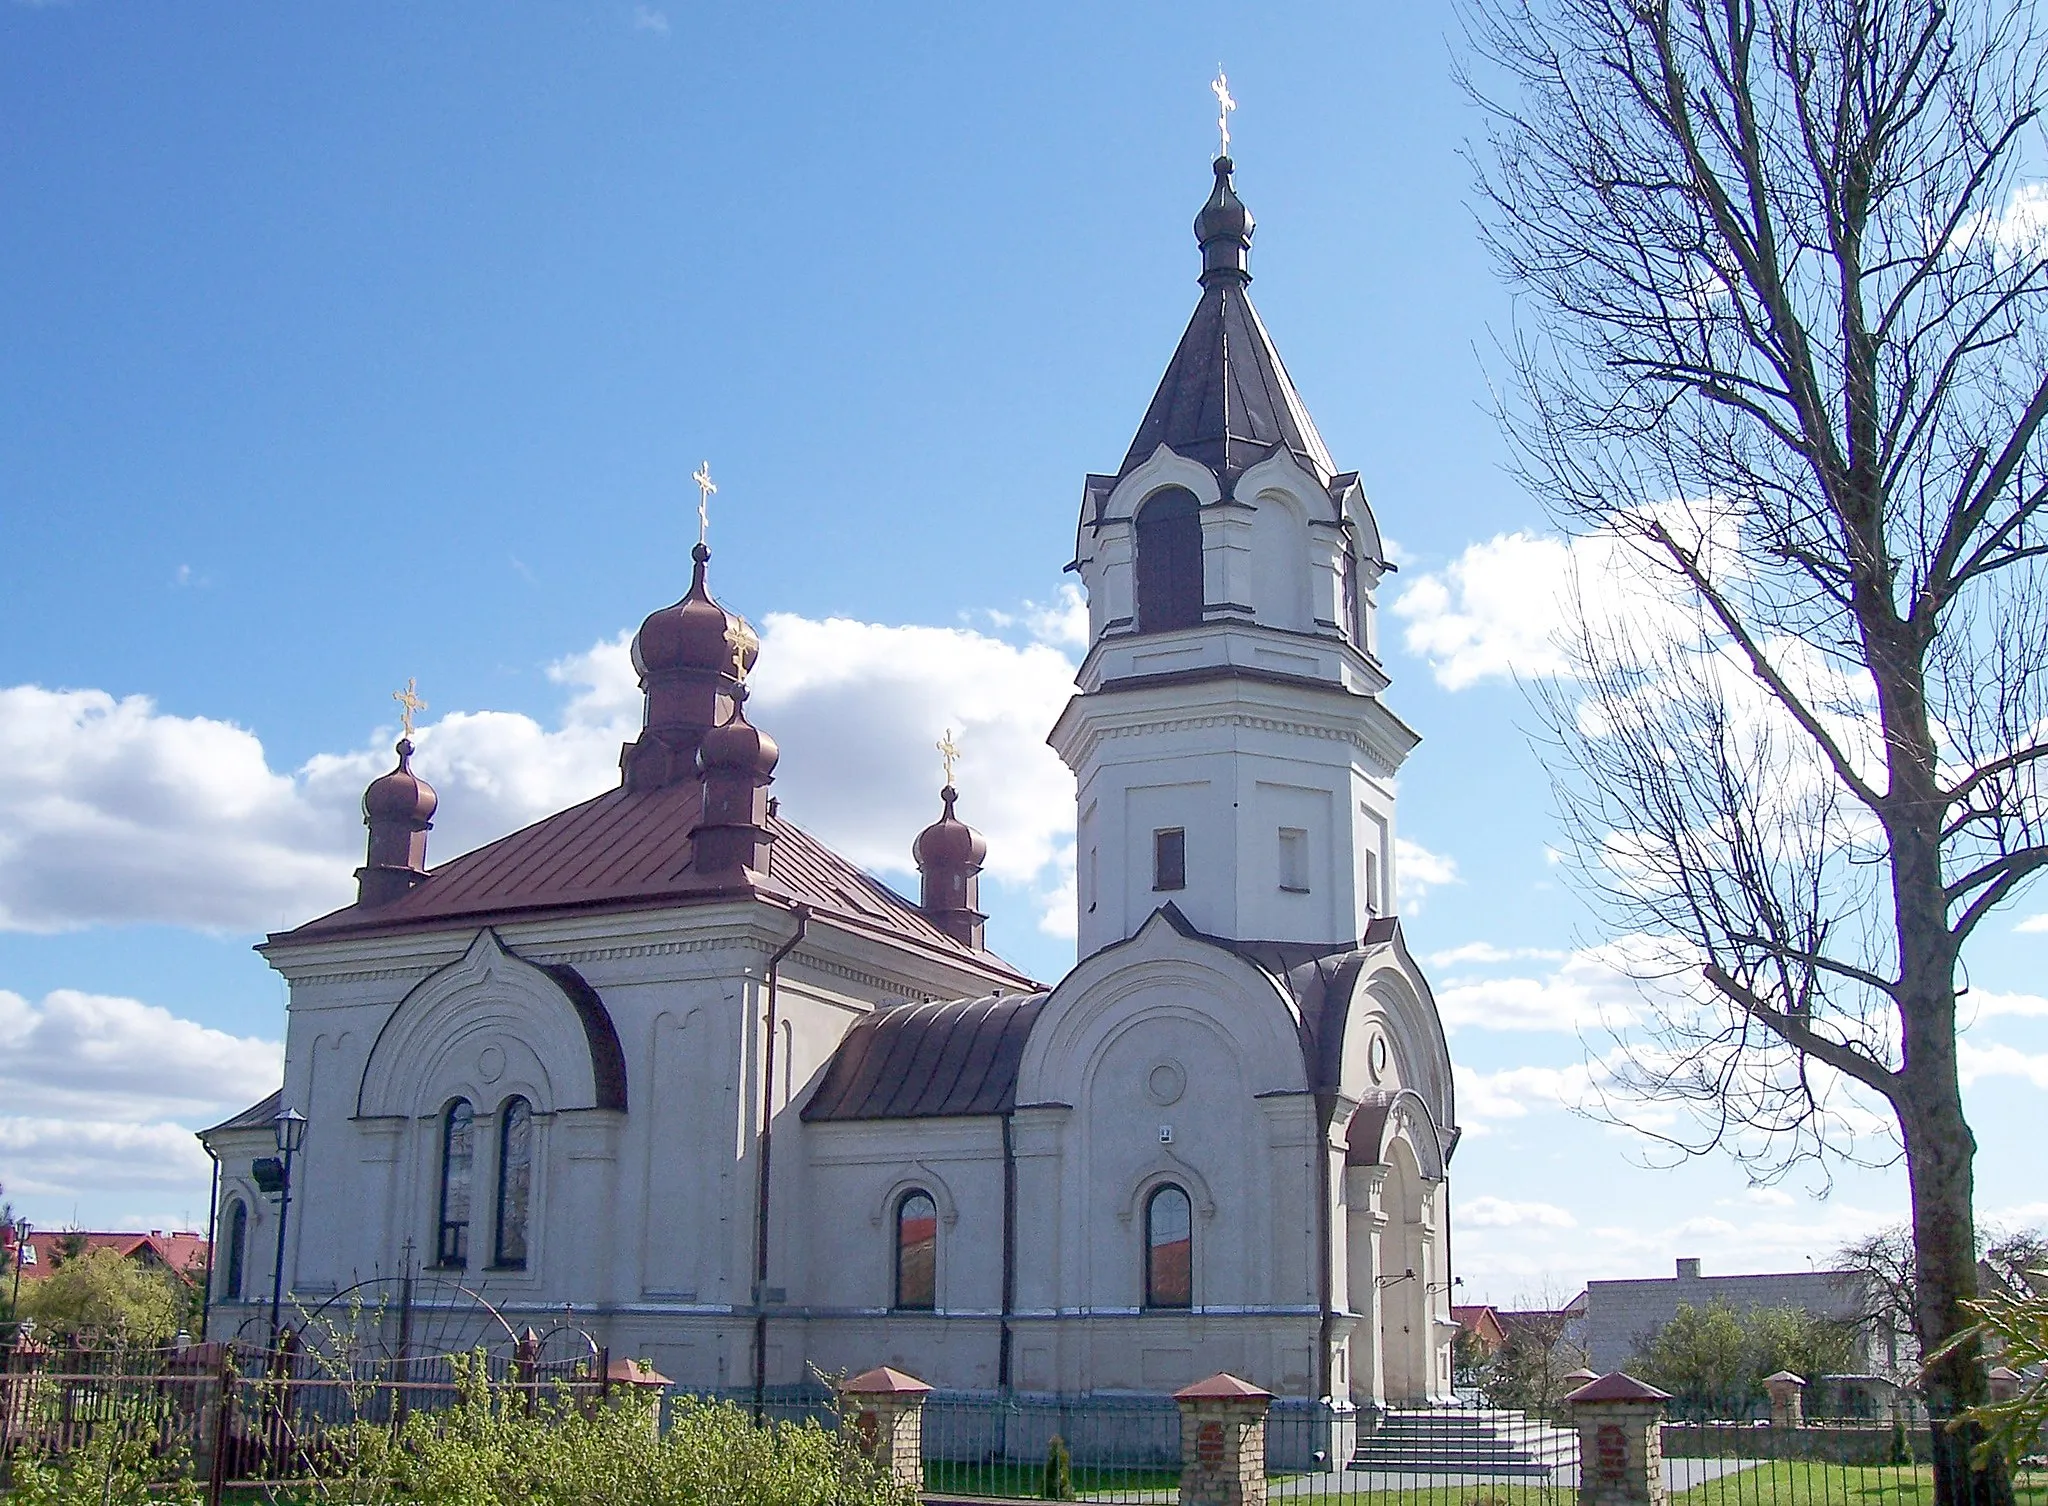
<point>348,343</point>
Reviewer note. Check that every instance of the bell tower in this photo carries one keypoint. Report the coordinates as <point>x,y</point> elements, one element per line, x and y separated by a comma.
<point>1230,747</point>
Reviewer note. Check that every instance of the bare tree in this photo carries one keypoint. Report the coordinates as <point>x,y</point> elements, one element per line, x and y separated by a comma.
<point>1781,371</point>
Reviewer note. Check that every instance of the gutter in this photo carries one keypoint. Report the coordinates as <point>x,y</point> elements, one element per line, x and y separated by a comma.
<point>803,926</point>
<point>1008,1340</point>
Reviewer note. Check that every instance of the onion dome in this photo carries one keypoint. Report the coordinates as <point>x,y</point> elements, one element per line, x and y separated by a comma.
<point>1224,230</point>
<point>401,795</point>
<point>686,660</point>
<point>736,762</point>
<point>949,842</point>
<point>738,748</point>
<point>690,635</point>
<point>949,854</point>
<point>398,808</point>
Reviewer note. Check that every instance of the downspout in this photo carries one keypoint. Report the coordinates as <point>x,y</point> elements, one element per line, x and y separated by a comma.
<point>212,1240</point>
<point>1326,1111</point>
<point>1003,1352</point>
<point>803,925</point>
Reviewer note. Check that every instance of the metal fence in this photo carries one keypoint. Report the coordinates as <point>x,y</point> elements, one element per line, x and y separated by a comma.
<point>247,1418</point>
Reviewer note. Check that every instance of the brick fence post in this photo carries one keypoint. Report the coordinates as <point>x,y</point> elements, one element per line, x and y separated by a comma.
<point>883,1412</point>
<point>1787,1405</point>
<point>1621,1441</point>
<point>1223,1442</point>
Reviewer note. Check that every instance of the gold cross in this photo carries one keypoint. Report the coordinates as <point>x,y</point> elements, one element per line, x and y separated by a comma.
<point>745,643</point>
<point>410,702</point>
<point>949,754</point>
<point>705,487</point>
<point>1224,105</point>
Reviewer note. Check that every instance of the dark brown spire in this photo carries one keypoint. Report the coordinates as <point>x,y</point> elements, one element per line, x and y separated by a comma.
<point>685,662</point>
<point>949,854</point>
<point>398,808</point>
<point>736,762</point>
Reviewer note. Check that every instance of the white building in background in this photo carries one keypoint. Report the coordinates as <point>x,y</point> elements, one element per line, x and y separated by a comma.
<point>667,1062</point>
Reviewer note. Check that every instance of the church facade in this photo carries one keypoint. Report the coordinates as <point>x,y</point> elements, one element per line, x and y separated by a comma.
<point>665,1061</point>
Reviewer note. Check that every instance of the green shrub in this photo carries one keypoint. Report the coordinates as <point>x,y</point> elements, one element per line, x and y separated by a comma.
<point>1059,1470</point>
<point>494,1448</point>
<point>109,1470</point>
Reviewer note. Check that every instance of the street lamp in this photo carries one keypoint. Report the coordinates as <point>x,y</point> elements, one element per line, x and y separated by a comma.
<point>22,1230</point>
<point>276,1175</point>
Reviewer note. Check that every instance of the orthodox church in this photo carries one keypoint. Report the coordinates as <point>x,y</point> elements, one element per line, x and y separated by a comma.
<point>668,1061</point>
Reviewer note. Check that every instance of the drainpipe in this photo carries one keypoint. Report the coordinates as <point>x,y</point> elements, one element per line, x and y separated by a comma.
<point>803,924</point>
<point>1326,1111</point>
<point>212,1241</point>
<point>1009,1249</point>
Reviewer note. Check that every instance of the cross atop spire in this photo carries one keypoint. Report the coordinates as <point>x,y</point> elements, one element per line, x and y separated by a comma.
<point>705,487</point>
<point>949,755</point>
<point>1220,87</point>
<point>410,704</point>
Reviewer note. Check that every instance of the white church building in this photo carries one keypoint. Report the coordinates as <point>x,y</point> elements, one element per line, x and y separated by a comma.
<point>665,1062</point>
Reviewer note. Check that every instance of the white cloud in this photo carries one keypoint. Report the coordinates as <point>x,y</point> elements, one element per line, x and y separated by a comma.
<point>113,811</point>
<point>1500,1213</point>
<point>2019,229</point>
<point>1417,870</point>
<point>1982,1004</point>
<point>1487,1098</point>
<point>1975,1062</point>
<point>1479,953</point>
<point>1594,988</point>
<point>647,18</point>
<point>1492,613</point>
<point>103,1093</point>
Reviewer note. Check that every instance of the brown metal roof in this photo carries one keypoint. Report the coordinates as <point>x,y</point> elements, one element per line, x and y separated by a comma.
<point>630,849</point>
<point>261,1114</point>
<point>927,1061</point>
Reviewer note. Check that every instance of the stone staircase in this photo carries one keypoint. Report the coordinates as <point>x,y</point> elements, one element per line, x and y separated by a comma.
<point>1464,1441</point>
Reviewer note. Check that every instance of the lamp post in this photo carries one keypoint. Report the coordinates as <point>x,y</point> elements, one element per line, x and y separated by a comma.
<point>291,1134</point>
<point>22,1230</point>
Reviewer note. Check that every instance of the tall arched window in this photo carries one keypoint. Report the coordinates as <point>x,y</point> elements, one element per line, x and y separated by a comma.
<point>1169,1248</point>
<point>458,1159</point>
<point>917,1252</point>
<point>238,1248</point>
<point>1169,561</point>
<point>515,1182</point>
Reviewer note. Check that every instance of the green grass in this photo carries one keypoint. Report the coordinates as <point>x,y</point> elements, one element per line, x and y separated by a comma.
<point>1811,1482</point>
<point>1017,1478</point>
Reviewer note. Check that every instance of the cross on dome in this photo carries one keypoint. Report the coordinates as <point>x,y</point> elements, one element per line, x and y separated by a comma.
<point>746,643</point>
<point>410,704</point>
<point>949,754</point>
<point>705,487</point>
<point>1220,87</point>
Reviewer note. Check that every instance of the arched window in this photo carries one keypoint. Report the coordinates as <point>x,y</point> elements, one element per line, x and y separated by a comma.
<point>917,1252</point>
<point>515,1182</point>
<point>1169,562</point>
<point>1354,603</point>
<point>238,1248</point>
<point>458,1159</point>
<point>1169,1248</point>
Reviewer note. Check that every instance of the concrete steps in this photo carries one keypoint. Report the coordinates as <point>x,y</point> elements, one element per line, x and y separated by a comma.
<point>1465,1441</point>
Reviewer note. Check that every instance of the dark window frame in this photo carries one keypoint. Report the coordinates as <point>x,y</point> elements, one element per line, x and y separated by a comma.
<point>238,1250</point>
<point>451,1238</point>
<point>913,1302</point>
<point>1169,858</point>
<point>510,1253</point>
<point>1168,561</point>
<point>1157,1300</point>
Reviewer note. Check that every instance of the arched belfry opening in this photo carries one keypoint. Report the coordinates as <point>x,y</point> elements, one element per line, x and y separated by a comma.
<point>1169,561</point>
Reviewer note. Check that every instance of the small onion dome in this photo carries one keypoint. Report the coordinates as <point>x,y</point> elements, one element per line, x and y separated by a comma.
<point>691,635</point>
<point>400,796</point>
<point>738,746</point>
<point>949,842</point>
<point>1223,228</point>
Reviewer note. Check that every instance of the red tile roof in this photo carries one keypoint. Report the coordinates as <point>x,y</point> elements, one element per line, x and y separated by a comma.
<point>183,1252</point>
<point>630,849</point>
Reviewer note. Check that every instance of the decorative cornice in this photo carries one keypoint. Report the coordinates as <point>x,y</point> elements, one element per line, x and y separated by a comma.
<point>1381,761</point>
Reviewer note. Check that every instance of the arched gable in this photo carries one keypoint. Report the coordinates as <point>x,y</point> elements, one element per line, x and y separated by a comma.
<point>491,1025</point>
<point>1167,970</point>
<point>1387,1118</point>
<point>1388,998</point>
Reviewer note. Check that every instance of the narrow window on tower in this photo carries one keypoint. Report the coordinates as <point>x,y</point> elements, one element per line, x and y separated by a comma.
<point>1170,859</point>
<point>1169,566</point>
<point>1294,860</point>
<point>1372,883</point>
<point>1094,878</point>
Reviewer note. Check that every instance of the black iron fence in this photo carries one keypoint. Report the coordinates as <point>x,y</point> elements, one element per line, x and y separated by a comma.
<point>250,1418</point>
